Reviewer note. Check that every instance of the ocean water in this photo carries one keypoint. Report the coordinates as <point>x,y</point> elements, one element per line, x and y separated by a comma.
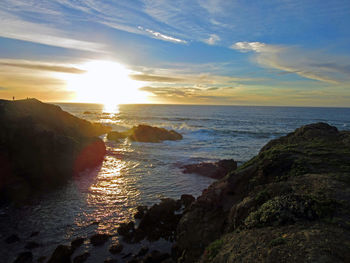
<point>133,173</point>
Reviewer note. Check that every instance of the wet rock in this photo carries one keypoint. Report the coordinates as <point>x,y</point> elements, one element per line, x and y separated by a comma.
<point>160,220</point>
<point>32,245</point>
<point>141,210</point>
<point>126,229</point>
<point>115,249</point>
<point>81,258</point>
<point>99,239</point>
<point>12,239</point>
<point>24,257</point>
<point>77,242</point>
<point>146,133</point>
<point>34,234</point>
<point>61,254</point>
<point>116,136</point>
<point>214,170</point>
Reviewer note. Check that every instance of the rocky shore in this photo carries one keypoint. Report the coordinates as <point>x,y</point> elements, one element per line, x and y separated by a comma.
<point>290,203</point>
<point>41,146</point>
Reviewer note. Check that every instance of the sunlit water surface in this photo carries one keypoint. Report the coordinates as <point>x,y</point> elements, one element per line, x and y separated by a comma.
<point>135,174</point>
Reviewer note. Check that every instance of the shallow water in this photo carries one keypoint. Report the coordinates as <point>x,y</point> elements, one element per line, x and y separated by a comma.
<point>142,173</point>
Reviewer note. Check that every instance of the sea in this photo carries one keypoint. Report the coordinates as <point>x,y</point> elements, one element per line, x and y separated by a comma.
<point>134,173</point>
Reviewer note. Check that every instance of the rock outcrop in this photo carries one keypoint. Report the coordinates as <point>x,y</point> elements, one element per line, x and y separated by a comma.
<point>146,133</point>
<point>214,170</point>
<point>290,203</point>
<point>41,146</point>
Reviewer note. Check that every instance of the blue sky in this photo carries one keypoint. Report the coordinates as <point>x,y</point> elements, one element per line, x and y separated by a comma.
<point>267,52</point>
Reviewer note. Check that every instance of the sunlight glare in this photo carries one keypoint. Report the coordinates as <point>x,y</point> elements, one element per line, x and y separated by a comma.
<point>106,82</point>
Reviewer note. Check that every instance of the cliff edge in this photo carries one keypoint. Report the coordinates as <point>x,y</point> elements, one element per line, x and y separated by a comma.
<point>290,203</point>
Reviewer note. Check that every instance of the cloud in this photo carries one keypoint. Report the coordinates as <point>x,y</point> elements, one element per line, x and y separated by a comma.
<point>163,37</point>
<point>155,78</point>
<point>213,39</point>
<point>40,66</point>
<point>17,28</point>
<point>313,64</point>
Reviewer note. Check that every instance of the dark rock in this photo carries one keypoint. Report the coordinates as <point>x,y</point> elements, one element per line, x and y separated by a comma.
<point>110,260</point>
<point>24,257</point>
<point>77,242</point>
<point>115,249</point>
<point>140,211</point>
<point>12,239</point>
<point>81,258</point>
<point>214,170</point>
<point>62,143</point>
<point>186,200</point>
<point>146,133</point>
<point>125,229</point>
<point>61,254</point>
<point>34,234</point>
<point>288,203</point>
<point>156,257</point>
<point>116,136</point>
<point>143,251</point>
<point>161,220</point>
<point>99,239</point>
<point>32,245</point>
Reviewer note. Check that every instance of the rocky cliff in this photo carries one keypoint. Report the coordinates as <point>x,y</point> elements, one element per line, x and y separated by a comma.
<point>41,146</point>
<point>290,203</point>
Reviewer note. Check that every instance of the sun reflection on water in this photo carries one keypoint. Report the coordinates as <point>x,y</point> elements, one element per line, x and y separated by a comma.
<point>112,197</point>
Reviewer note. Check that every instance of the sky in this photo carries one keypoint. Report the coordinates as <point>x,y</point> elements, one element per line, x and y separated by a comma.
<point>222,52</point>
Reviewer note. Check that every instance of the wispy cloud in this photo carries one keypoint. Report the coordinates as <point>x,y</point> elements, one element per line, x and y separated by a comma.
<point>161,36</point>
<point>17,28</point>
<point>155,78</point>
<point>314,64</point>
<point>40,66</point>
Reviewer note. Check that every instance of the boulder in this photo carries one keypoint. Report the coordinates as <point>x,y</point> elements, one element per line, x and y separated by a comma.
<point>81,258</point>
<point>99,239</point>
<point>61,254</point>
<point>41,146</point>
<point>146,133</point>
<point>116,136</point>
<point>214,170</point>
<point>116,248</point>
<point>77,242</point>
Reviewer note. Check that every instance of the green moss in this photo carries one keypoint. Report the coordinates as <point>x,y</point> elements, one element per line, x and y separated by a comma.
<point>262,196</point>
<point>213,249</point>
<point>288,209</point>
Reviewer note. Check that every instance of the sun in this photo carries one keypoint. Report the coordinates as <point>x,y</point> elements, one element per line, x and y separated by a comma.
<point>106,82</point>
